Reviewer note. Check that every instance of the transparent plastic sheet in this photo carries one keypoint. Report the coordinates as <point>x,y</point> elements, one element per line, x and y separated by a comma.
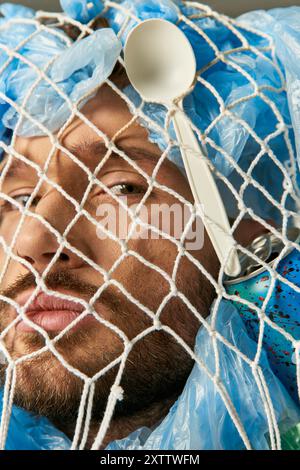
<point>30,432</point>
<point>76,69</point>
<point>191,421</point>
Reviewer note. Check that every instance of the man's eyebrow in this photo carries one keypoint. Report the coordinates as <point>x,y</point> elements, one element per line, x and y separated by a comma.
<point>99,149</point>
<point>91,149</point>
<point>15,166</point>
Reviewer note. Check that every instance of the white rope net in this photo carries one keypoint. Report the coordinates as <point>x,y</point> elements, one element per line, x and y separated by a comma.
<point>45,22</point>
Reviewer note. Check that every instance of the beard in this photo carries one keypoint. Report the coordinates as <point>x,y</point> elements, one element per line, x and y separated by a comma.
<point>156,367</point>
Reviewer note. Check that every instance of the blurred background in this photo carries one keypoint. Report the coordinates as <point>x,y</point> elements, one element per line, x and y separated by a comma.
<point>230,7</point>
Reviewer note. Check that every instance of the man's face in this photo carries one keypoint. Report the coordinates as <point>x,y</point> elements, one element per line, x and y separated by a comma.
<point>132,284</point>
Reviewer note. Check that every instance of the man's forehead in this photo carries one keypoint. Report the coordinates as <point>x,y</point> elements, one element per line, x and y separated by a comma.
<point>105,116</point>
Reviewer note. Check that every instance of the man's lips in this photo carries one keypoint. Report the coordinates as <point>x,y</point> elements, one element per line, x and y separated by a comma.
<point>49,312</point>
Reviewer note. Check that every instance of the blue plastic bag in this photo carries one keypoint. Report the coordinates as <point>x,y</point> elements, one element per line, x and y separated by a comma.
<point>199,419</point>
<point>143,10</point>
<point>76,70</point>
<point>30,432</point>
<point>283,25</point>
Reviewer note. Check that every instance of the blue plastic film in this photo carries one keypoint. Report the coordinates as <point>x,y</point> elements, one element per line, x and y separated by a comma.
<point>82,10</point>
<point>51,74</point>
<point>199,420</point>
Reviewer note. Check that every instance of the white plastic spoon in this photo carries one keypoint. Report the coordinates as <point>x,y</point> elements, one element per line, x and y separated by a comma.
<point>161,65</point>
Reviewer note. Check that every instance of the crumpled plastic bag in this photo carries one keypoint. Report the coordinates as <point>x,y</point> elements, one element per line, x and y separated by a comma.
<point>82,10</point>
<point>76,70</point>
<point>10,10</point>
<point>199,419</point>
<point>30,432</point>
<point>283,25</point>
<point>143,10</point>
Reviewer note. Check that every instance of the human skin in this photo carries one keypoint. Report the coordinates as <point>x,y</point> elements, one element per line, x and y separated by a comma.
<point>157,365</point>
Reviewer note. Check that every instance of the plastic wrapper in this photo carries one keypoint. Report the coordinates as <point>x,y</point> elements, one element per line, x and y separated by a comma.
<point>30,432</point>
<point>82,10</point>
<point>283,25</point>
<point>199,419</point>
<point>230,85</point>
<point>124,19</point>
<point>77,70</point>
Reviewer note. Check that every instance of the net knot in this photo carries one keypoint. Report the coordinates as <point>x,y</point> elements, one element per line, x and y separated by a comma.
<point>181,250</point>
<point>157,324</point>
<point>241,206</point>
<point>61,240</point>
<point>172,111</point>
<point>219,291</point>
<point>212,333</point>
<point>124,247</point>
<point>92,178</point>
<point>173,289</point>
<point>280,126</point>
<point>248,178</point>
<point>41,174</point>
<point>287,186</point>
<point>151,181</point>
<point>221,56</point>
<point>118,392</point>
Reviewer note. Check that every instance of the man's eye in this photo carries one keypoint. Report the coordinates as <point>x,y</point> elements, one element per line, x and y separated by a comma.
<point>126,189</point>
<point>21,199</point>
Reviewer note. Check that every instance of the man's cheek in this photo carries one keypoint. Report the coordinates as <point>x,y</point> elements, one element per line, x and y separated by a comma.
<point>7,233</point>
<point>8,228</point>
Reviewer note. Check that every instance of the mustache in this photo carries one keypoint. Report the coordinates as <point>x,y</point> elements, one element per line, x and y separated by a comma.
<point>66,280</point>
<point>54,280</point>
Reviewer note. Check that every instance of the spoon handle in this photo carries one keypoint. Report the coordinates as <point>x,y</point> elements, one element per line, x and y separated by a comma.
<point>205,192</point>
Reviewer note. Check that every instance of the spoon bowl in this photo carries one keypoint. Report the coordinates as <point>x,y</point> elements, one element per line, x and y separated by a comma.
<point>160,61</point>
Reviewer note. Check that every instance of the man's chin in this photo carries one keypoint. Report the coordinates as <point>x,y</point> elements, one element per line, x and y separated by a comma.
<point>50,378</point>
<point>84,349</point>
<point>50,383</point>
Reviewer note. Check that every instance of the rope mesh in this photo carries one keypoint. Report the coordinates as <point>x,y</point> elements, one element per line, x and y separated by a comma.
<point>42,23</point>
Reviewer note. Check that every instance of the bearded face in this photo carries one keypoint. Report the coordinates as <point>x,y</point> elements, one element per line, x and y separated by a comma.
<point>128,307</point>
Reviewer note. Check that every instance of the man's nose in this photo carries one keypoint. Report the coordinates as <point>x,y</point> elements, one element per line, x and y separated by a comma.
<point>38,245</point>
